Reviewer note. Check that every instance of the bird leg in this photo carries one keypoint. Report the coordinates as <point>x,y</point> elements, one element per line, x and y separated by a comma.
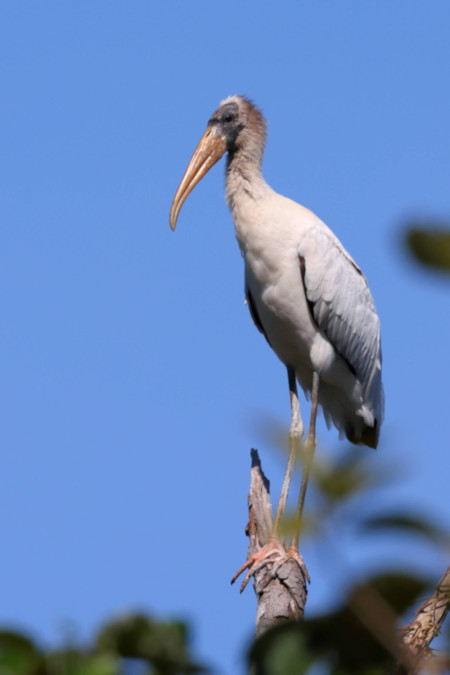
<point>274,551</point>
<point>295,437</point>
<point>308,451</point>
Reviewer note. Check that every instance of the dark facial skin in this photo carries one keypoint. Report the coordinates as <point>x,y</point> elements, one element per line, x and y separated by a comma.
<point>226,118</point>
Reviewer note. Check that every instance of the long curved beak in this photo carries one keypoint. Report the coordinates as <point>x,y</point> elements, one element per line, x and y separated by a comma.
<point>210,149</point>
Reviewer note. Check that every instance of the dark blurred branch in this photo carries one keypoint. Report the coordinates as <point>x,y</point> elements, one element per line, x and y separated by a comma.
<point>280,597</point>
<point>428,620</point>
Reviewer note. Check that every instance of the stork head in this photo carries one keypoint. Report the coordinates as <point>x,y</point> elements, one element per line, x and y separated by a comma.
<point>237,124</point>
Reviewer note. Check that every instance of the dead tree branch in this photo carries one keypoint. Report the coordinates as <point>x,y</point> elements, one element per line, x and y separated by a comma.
<point>427,621</point>
<point>280,597</point>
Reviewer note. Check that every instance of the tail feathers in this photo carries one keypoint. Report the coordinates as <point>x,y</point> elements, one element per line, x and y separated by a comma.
<point>367,435</point>
<point>355,418</point>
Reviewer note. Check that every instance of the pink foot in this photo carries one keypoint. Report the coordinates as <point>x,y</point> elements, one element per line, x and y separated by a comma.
<point>273,551</point>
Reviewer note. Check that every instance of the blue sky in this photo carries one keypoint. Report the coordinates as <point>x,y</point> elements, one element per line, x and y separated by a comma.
<point>133,381</point>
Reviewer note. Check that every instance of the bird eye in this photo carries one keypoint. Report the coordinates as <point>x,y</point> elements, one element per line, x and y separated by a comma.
<point>228,118</point>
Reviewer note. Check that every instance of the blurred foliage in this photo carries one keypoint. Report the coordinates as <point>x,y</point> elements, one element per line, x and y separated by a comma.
<point>346,476</point>
<point>406,523</point>
<point>360,636</point>
<point>129,644</point>
<point>339,640</point>
<point>164,645</point>
<point>346,488</point>
<point>429,244</point>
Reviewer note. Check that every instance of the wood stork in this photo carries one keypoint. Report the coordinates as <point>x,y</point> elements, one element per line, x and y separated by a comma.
<point>305,294</point>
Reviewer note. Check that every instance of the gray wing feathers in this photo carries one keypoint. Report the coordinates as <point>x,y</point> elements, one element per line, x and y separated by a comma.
<point>343,309</point>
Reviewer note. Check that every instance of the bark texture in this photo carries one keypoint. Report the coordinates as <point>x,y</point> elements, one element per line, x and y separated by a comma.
<point>281,597</point>
<point>427,622</point>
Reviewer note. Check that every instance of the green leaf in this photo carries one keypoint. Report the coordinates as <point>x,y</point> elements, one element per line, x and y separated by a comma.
<point>399,589</point>
<point>163,644</point>
<point>75,662</point>
<point>346,477</point>
<point>310,526</point>
<point>280,651</point>
<point>102,664</point>
<point>340,641</point>
<point>430,245</point>
<point>19,655</point>
<point>407,524</point>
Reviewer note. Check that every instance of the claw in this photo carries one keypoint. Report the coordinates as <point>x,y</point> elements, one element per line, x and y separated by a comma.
<point>271,552</point>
